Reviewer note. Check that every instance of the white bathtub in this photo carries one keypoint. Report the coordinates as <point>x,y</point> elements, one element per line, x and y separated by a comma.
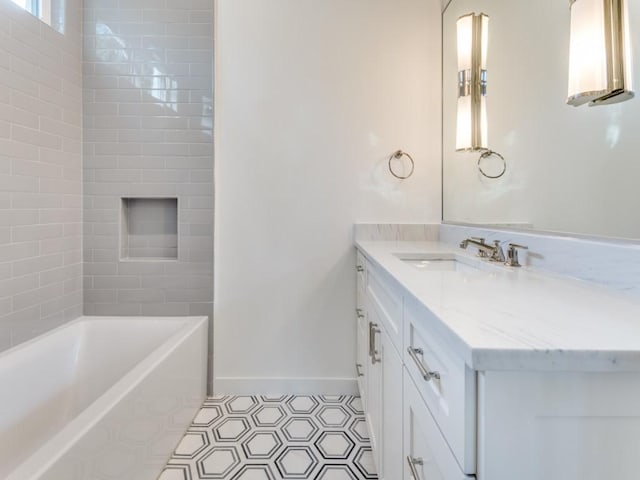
<point>100,398</point>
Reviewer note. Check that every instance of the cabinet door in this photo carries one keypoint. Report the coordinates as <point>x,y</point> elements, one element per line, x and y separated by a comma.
<point>374,388</point>
<point>362,355</point>
<point>384,407</point>
<point>424,446</point>
<point>391,429</point>
<point>559,425</point>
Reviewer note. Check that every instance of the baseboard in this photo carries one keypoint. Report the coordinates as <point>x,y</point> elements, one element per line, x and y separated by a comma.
<point>284,386</point>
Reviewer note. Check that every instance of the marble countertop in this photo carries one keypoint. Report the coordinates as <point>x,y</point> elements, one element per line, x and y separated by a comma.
<point>505,318</point>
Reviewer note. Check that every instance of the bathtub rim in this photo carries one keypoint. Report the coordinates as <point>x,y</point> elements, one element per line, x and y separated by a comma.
<point>48,454</point>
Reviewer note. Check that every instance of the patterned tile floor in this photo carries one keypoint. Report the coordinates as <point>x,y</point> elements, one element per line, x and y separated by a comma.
<point>274,438</point>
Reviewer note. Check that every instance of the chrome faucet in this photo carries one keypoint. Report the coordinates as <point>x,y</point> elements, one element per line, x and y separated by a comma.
<point>493,252</point>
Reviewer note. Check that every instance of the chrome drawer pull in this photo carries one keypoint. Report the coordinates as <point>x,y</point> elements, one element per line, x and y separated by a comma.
<point>373,329</point>
<point>360,313</point>
<point>359,268</point>
<point>371,339</point>
<point>358,367</point>
<point>426,374</point>
<point>412,466</point>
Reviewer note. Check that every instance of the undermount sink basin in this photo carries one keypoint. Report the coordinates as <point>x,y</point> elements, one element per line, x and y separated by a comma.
<point>441,262</point>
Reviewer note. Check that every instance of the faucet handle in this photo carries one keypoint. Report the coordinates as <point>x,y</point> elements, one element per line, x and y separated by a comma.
<point>498,254</point>
<point>512,254</point>
<point>480,253</point>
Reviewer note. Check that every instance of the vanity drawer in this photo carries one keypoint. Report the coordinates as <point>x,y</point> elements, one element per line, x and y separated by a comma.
<point>424,445</point>
<point>385,297</point>
<point>450,393</point>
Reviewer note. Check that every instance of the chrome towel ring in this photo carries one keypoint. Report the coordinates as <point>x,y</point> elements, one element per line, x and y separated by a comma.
<point>487,154</point>
<point>398,155</point>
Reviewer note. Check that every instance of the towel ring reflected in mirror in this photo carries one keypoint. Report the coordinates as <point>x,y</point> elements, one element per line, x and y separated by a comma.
<point>398,155</point>
<point>487,154</point>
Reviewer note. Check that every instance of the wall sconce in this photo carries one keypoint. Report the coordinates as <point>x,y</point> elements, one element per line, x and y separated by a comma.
<point>599,53</point>
<point>473,36</point>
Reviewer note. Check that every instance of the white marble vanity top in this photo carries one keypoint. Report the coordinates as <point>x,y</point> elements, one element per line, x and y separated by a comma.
<point>519,318</point>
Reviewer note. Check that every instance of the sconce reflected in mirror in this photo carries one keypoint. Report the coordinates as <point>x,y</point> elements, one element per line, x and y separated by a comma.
<point>599,53</point>
<point>472,36</point>
<point>471,128</point>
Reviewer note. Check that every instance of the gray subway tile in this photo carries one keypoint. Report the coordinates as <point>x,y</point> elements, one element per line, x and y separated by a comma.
<point>142,140</point>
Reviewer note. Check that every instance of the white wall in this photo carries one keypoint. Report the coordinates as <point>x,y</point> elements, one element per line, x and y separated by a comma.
<point>40,172</point>
<point>311,99</point>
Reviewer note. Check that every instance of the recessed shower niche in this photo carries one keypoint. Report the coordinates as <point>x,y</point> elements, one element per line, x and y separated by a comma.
<point>149,229</point>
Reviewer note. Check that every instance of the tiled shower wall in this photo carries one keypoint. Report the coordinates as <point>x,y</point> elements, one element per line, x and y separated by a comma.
<point>148,110</point>
<point>40,172</point>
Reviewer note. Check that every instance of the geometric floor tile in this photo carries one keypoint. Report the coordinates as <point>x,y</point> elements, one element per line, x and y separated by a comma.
<point>332,398</point>
<point>271,437</point>
<point>218,462</point>
<point>333,416</point>
<point>364,462</point>
<point>255,472</point>
<point>207,416</point>
<point>176,472</point>
<point>336,472</point>
<point>302,404</point>
<point>355,405</point>
<point>268,416</point>
<point>241,405</point>
<point>300,429</point>
<point>335,445</point>
<point>191,445</point>
<point>273,398</point>
<point>231,429</point>
<point>261,445</point>
<point>358,429</point>
<point>296,462</point>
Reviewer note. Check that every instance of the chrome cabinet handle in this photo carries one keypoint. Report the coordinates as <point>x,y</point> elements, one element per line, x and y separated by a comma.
<point>373,329</point>
<point>358,367</point>
<point>425,372</point>
<point>360,313</point>
<point>359,268</point>
<point>370,339</point>
<point>412,466</point>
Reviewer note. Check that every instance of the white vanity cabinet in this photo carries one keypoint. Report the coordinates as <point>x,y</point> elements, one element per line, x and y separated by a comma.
<point>419,398</point>
<point>433,417</point>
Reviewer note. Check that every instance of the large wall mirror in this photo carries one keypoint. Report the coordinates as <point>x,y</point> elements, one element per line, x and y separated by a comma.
<point>569,169</point>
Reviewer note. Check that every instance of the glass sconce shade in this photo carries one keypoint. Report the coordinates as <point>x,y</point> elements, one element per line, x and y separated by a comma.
<point>472,42</point>
<point>599,53</point>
